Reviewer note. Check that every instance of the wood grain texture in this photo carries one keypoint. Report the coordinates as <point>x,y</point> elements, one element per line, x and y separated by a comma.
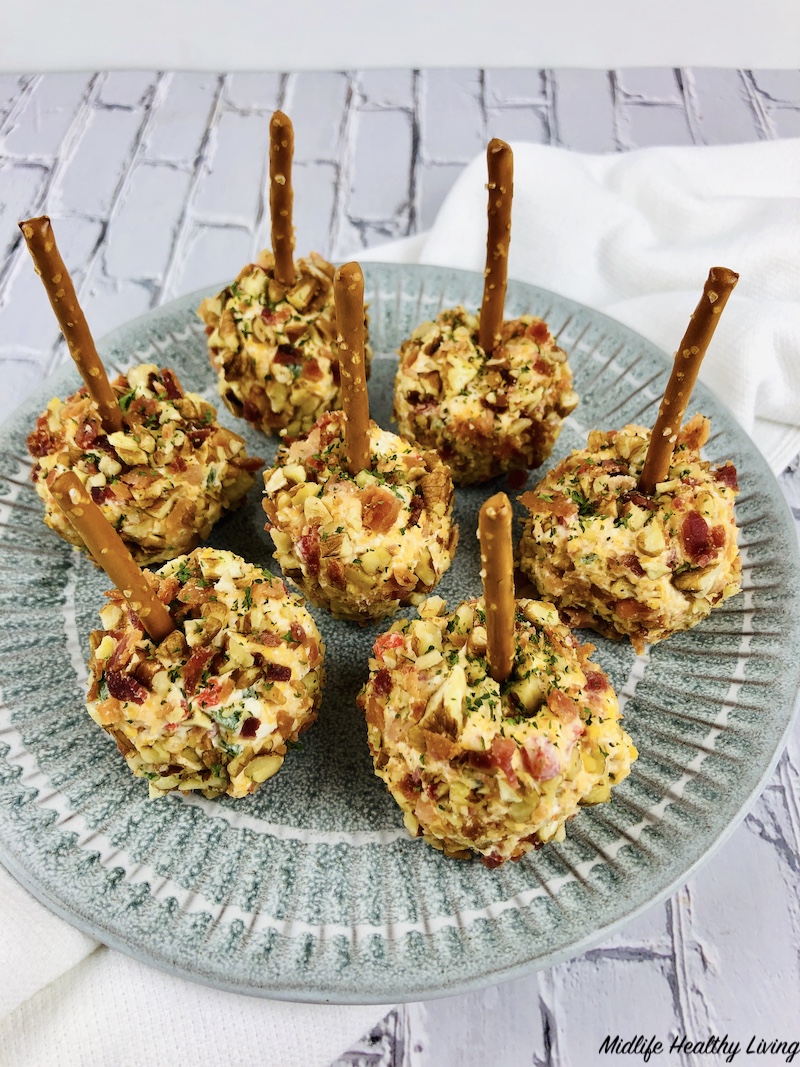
<point>158,184</point>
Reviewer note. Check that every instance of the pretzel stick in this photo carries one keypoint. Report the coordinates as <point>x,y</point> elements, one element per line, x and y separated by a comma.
<point>49,265</point>
<point>719,286</point>
<point>281,150</point>
<point>500,160</point>
<point>497,572</point>
<point>348,293</point>
<point>111,553</point>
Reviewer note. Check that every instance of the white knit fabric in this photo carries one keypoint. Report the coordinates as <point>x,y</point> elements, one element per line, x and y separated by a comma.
<point>635,234</point>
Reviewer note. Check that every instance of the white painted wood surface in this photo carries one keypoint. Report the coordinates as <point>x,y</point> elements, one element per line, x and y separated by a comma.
<point>156,186</point>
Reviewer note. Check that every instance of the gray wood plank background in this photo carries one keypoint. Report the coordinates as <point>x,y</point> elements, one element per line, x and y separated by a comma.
<point>156,184</point>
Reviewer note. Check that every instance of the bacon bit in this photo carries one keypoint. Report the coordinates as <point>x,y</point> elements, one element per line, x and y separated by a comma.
<point>559,505</point>
<point>390,640</point>
<point>217,692</point>
<point>561,706</point>
<point>635,497</point>
<point>374,711</point>
<point>438,746</point>
<point>727,475</point>
<point>269,639</point>
<point>695,432</point>
<point>314,656</point>
<point>40,442</point>
<point>335,571</point>
<point>379,509</point>
<point>209,330</point>
<point>503,748</point>
<point>516,479</point>
<point>198,435</point>
<point>137,478</point>
<point>631,609</point>
<point>424,811</point>
<point>409,788</point>
<point>248,463</point>
<point>144,407</point>
<point>307,551</point>
<point>101,493</point>
<point>268,590</point>
<point>167,589</point>
<point>288,355</point>
<point>178,465</point>
<point>382,683</point>
<point>273,318</point>
<point>193,594</point>
<point>250,727</point>
<point>538,332</point>
<point>171,384</point>
<point>611,467</point>
<point>481,760</point>
<point>210,696</point>
<point>540,758</point>
<point>313,371</point>
<point>125,687</point>
<point>596,681</point>
<point>417,505</point>
<point>632,563</point>
<point>195,667</point>
<point>541,366</point>
<point>277,672</point>
<point>297,632</point>
<point>697,540</point>
<point>123,652</point>
<point>251,412</point>
<point>87,433</point>
<point>718,536</point>
<point>492,861</point>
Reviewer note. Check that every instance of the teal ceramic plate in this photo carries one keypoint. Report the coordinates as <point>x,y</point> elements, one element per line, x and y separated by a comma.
<point>311,889</point>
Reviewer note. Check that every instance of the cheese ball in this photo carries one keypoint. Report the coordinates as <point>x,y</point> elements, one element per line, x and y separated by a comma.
<point>162,482</point>
<point>361,546</point>
<point>479,767</point>
<point>214,705</point>
<point>625,564</point>
<point>274,350</point>
<point>484,416</point>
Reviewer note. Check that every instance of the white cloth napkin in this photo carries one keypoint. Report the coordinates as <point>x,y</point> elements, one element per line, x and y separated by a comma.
<point>635,234</point>
<point>67,1002</point>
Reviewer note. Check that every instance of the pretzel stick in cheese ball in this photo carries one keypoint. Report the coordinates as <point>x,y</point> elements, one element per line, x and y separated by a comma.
<point>110,553</point>
<point>497,571</point>
<point>281,150</point>
<point>500,161</point>
<point>693,347</point>
<point>349,295</point>
<point>49,265</point>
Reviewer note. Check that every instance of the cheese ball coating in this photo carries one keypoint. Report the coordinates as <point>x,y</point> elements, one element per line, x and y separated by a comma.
<point>162,482</point>
<point>361,546</point>
<point>480,767</point>
<point>274,350</point>
<point>214,705</point>
<point>483,416</point>
<point>625,564</point>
